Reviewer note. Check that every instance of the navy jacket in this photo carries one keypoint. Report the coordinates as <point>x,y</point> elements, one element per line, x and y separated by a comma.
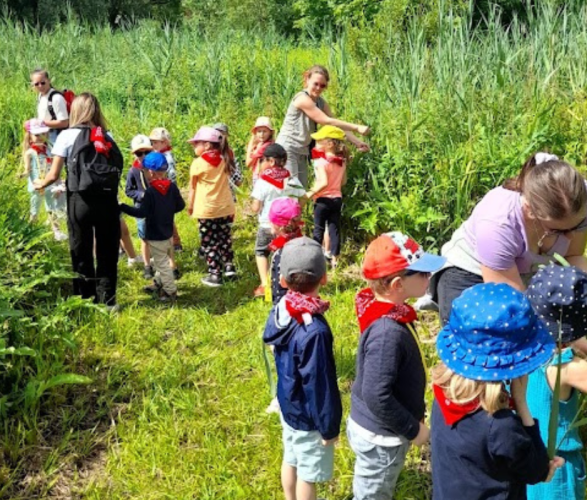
<point>307,388</point>
<point>485,457</point>
<point>158,210</point>
<point>136,185</point>
<point>388,394</point>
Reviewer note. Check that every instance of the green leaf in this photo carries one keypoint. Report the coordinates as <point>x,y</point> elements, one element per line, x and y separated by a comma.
<point>554,412</point>
<point>564,262</point>
<point>65,379</point>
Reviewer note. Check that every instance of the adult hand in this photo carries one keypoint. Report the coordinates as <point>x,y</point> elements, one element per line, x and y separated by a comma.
<point>423,435</point>
<point>553,465</point>
<point>363,147</point>
<point>363,130</point>
<point>328,442</point>
<point>38,184</point>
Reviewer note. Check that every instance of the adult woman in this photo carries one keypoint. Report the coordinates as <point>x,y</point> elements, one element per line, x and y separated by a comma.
<point>517,227</point>
<point>306,110</point>
<point>92,215</point>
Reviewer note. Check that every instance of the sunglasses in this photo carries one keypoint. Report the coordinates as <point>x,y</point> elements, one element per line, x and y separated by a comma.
<point>141,153</point>
<point>411,272</point>
<point>321,85</point>
<point>38,84</point>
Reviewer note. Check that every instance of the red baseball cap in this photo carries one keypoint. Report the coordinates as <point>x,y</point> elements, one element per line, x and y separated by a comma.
<point>391,253</point>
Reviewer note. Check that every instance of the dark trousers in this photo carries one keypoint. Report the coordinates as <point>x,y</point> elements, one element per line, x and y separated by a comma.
<point>328,211</point>
<point>450,283</point>
<point>94,218</point>
<point>216,242</point>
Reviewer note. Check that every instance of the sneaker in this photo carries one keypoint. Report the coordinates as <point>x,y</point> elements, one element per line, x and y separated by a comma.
<point>167,297</point>
<point>148,273</point>
<point>154,288</point>
<point>273,406</point>
<point>327,255</point>
<point>425,303</point>
<point>178,248</point>
<point>230,271</point>
<point>59,235</point>
<point>259,291</point>
<point>176,274</point>
<point>213,280</point>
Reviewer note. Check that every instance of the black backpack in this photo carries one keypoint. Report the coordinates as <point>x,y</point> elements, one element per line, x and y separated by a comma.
<point>91,172</point>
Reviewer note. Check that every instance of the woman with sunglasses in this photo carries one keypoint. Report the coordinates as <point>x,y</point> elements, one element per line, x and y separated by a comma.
<point>136,185</point>
<point>51,105</point>
<point>515,228</point>
<point>307,110</point>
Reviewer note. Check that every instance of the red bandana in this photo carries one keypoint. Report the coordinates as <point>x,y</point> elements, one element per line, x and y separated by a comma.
<point>298,305</point>
<point>137,163</point>
<point>316,153</point>
<point>40,149</point>
<point>213,157</point>
<point>165,149</point>
<point>276,176</point>
<point>161,185</point>
<point>279,242</point>
<point>369,309</point>
<point>451,411</point>
<point>100,142</point>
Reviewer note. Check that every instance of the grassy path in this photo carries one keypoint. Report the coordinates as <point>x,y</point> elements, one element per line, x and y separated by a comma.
<point>182,390</point>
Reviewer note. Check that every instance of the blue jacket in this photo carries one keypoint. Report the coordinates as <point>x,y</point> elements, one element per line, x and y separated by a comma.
<point>485,457</point>
<point>136,185</point>
<point>307,388</point>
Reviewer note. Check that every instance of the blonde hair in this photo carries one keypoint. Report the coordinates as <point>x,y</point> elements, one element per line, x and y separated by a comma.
<point>380,286</point>
<point>26,143</point>
<point>321,70</point>
<point>85,110</point>
<point>491,395</point>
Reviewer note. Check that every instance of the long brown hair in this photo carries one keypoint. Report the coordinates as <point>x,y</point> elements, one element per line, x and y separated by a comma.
<point>85,110</point>
<point>554,189</point>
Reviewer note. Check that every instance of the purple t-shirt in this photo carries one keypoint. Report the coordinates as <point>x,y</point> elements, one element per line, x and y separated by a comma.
<point>496,233</point>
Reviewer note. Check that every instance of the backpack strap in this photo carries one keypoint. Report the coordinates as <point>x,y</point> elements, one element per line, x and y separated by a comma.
<point>52,92</point>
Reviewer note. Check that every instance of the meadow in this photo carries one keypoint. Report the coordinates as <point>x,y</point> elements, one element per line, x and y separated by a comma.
<point>160,402</point>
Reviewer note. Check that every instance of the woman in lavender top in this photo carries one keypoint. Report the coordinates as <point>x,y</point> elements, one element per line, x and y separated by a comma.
<point>515,228</point>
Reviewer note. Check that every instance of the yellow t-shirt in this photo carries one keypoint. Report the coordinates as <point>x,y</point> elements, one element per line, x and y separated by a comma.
<point>213,197</point>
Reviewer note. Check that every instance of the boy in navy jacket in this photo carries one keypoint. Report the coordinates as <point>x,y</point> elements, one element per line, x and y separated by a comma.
<point>162,200</point>
<point>307,388</point>
<point>387,403</point>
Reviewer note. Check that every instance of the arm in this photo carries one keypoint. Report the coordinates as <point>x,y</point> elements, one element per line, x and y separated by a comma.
<point>256,206</point>
<point>308,106</point>
<point>251,146</point>
<point>131,189</point>
<point>575,253</point>
<point>192,192</point>
<point>27,164</point>
<point>57,101</point>
<point>510,276</point>
<point>574,374</point>
<point>57,124</point>
<point>352,138</point>
<point>318,371</point>
<point>140,212</point>
<point>320,183</point>
<point>179,202</point>
<point>344,176</point>
<point>52,175</point>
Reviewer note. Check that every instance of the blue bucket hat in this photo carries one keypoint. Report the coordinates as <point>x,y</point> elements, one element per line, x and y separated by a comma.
<point>493,334</point>
<point>559,297</point>
<point>155,161</point>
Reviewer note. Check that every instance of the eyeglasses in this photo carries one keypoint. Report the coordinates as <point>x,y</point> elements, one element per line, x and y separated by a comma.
<point>38,84</point>
<point>411,272</point>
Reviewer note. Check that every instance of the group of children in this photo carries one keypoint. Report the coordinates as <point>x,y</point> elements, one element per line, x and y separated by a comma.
<point>493,388</point>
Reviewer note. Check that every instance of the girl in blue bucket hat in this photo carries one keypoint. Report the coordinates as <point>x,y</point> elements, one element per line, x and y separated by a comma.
<point>559,297</point>
<point>481,447</point>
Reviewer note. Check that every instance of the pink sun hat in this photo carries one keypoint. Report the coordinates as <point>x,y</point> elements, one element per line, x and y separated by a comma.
<point>35,126</point>
<point>206,134</point>
<point>283,210</point>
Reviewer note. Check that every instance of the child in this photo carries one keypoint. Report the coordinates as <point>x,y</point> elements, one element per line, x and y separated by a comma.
<point>274,182</point>
<point>329,158</point>
<point>159,204</point>
<point>387,401</point>
<point>559,297</point>
<point>261,137</point>
<point>210,201</point>
<point>37,163</point>
<point>307,390</point>
<point>235,179</point>
<point>285,216</point>
<point>136,185</point>
<point>480,447</point>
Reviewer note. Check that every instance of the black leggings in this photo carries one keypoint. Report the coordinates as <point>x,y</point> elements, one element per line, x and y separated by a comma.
<point>216,242</point>
<point>450,283</point>
<point>94,218</point>
<point>328,210</point>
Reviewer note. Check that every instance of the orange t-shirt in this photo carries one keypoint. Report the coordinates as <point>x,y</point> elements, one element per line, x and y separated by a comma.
<point>335,175</point>
<point>213,198</point>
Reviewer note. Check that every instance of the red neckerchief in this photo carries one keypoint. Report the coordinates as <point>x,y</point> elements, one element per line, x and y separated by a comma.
<point>213,157</point>
<point>137,163</point>
<point>275,176</point>
<point>338,160</point>
<point>161,185</point>
<point>369,309</point>
<point>100,142</point>
<point>279,242</point>
<point>451,411</point>
<point>258,154</point>
<point>40,149</point>
<point>298,305</point>
<point>165,149</point>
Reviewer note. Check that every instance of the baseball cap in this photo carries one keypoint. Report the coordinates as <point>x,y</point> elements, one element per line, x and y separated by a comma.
<point>329,132</point>
<point>394,252</point>
<point>140,142</point>
<point>275,151</point>
<point>221,127</point>
<point>263,121</point>
<point>302,256</point>
<point>155,161</point>
<point>206,134</point>
<point>160,134</point>
<point>283,210</point>
<point>35,126</point>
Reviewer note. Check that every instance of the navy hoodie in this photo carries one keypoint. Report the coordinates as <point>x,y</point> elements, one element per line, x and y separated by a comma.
<point>307,388</point>
<point>136,185</point>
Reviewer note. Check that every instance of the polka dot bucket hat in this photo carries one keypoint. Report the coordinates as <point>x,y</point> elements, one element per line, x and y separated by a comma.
<point>559,297</point>
<point>493,334</point>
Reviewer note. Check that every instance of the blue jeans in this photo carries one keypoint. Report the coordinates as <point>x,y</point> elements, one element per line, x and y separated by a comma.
<point>377,468</point>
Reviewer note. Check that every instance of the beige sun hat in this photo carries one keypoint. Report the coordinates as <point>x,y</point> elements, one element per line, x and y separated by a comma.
<point>263,121</point>
<point>140,143</point>
<point>160,134</point>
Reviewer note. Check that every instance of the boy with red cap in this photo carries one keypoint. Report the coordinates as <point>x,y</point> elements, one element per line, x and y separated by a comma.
<point>387,401</point>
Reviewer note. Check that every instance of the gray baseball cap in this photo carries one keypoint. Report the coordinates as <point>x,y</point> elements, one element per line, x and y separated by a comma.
<point>302,256</point>
<point>221,127</point>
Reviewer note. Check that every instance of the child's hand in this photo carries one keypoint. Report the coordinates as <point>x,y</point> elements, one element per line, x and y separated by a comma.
<point>328,442</point>
<point>363,130</point>
<point>554,464</point>
<point>190,210</point>
<point>363,147</point>
<point>423,435</point>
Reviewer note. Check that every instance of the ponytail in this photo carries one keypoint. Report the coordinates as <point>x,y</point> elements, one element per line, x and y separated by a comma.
<point>26,143</point>
<point>341,149</point>
<point>229,163</point>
